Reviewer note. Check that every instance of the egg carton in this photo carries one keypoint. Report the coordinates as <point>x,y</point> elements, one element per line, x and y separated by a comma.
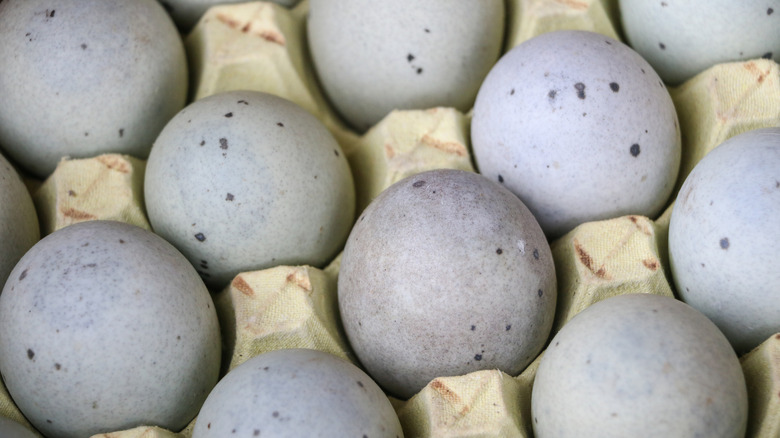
<point>261,46</point>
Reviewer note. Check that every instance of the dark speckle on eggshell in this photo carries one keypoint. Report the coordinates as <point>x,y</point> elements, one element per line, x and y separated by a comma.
<point>634,149</point>
<point>767,55</point>
<point>614,86</point>
<point>200,236</point>
<point>580,87</point>
<point>229,115</point>
<point>418,184</point>
<point>724,243</point>
<point>30,354</point>
<point>662,46</point>
<point>500,179</point>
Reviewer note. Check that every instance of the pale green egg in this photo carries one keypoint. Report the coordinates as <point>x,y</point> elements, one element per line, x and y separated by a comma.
<point>85,77</point>
<point>639,365</point>
<point>373,57</point>
<point>724,234</point>
<point>243,180</point>
<point>681,38</point>
<point>297,393</point>
<point>104,326</point>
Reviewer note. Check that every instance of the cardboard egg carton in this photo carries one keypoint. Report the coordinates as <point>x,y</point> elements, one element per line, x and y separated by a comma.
<point>261,46</point>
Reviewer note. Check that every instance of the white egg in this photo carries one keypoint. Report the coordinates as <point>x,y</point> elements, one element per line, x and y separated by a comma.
<point>578,126</point>
<point>18,219</point>
<point>186,13</point>
<point>681,38</point>
<point>84,77</point>
<point>639,365</point>
<point>724,237</point>
<point>376,56</point>
<point>244,180</point>
<point>297,393</point>
<point>445,273</point>
<point>104,326</point>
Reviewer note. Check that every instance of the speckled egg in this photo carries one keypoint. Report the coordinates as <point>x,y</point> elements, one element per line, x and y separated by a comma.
<point>11,429</point>
<point>376,56</point>
<point>186,13</point>
<point>297,393</point>
<point>724,234</point>
<point>639,365</point>
<point>445,273</point>
<point>85,77</point>
<point>580,127</point>
<point>18,219</point>
<point>681,38</point>
<point>104,326</point>
<point>244,180</point>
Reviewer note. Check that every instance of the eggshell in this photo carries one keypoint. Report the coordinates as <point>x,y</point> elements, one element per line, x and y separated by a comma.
<point>374,56</point>
<point>85,77</point>
<point>445,273</point>
<point>639,365</point>
<point>11,429</point>
<point>681,38</point>
<point>580,127</point>
<point>18,219</point>
<point>724,234</point>
<point>104,326</point>
<point>297,393</point>
<point>243,180</point>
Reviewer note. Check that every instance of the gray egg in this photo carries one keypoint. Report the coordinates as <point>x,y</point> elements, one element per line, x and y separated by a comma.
<point>244,180</point>
<point>104,326</point>
<point>639,365</point>
<point>186,13</point>
<point>11,429</point>
<point>681,38</point>
<point>724,234</point>
<point>297,393</point>
<point>18,219</point>
<point>445,273</point>
<point>84,77</point>
<point>578,126</point>
<point>376,56</point>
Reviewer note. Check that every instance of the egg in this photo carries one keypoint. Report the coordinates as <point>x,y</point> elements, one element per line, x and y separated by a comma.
<point>11,429</point>
<point>186,13</point>
<point>297,393</point>
<point>244,180</point>
<point>18,219</point>
<point>373,57</point>
<point>445,273</point>
<point>86,77</point>
<point>723,237</point>
<point>682,38</point>
<point>639,365</point>
<point>578,126</point>
<point>104,326</point>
